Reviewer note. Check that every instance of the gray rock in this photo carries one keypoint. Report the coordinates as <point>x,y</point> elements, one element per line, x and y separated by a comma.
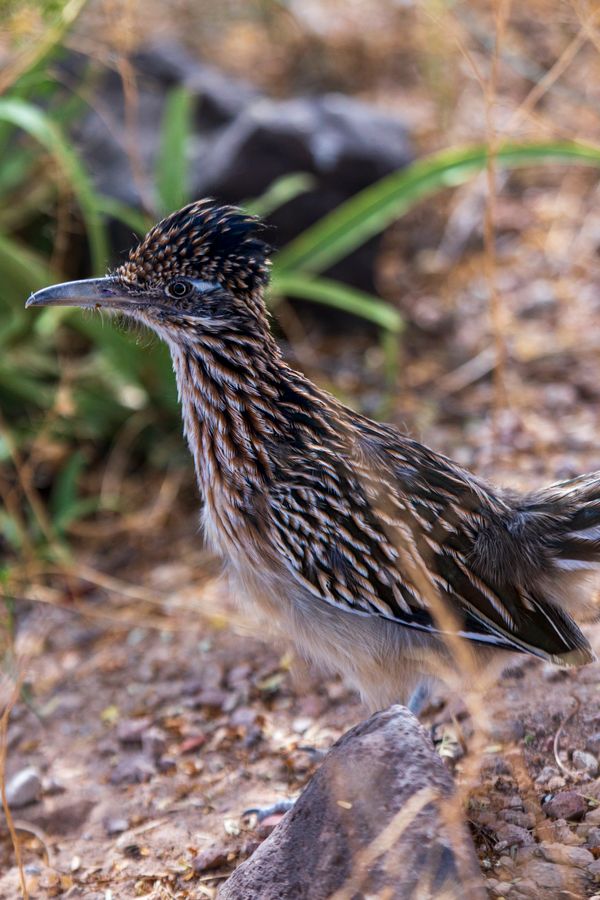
<point>131,731</point>
<point>132,770</point>
<point>517,817</point>
<point>241,142</point>
<point>592,744</point>
<point>585,762</point>
<point>566,805</point>
<point>552,879</point>
<point>363,792</point>
<point>593,837</point>
<point>594,870</point>
<point>556,783</point>
<point>344,142</point>
<point>512,836</point>
<point>115,825</point>
<point>23,788</point>
<point>525,889</point>
<point>569,856</point>
<point>546,774</point>
<point>154,743</point>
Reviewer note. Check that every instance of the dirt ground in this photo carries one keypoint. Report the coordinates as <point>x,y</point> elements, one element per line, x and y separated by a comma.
<point>156,719</point>
<point>152,743</point>
<point>152,714</point>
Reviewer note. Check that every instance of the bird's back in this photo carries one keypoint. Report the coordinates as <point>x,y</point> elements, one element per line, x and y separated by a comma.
<point>375,524</point>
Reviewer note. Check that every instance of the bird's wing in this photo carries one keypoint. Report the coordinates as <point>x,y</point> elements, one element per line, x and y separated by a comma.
<point>393,531</point>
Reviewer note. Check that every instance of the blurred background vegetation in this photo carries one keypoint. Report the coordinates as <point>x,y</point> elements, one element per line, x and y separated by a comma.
<point>430,172</point>
<point>491,99</point>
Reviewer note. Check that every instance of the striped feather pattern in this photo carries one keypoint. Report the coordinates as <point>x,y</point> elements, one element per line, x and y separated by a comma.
<point>341,509</point>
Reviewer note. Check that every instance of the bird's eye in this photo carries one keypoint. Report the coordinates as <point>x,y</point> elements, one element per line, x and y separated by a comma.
<point>178,289</point>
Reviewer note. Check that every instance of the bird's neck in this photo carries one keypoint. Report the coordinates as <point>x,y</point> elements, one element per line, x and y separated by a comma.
<point>229,391</point>
<point>250,422</point>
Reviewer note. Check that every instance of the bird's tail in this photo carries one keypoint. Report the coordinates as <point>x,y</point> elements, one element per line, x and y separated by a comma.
<point>569,516</point>
<point>547,548</point>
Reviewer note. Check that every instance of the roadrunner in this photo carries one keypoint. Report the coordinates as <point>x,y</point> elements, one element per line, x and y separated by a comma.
<point>373,553</point>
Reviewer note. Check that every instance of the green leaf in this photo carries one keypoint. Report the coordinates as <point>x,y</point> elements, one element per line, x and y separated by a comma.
<point>280,192</point>
<point>39,126</point>
<point>122,212</point>
<point>377,206</point>
<point>340,296</point>
<point>10,530</point>
<point>17,385</point>
<point>172,164</point>
<point>64,498</point>
<point>23,271</point>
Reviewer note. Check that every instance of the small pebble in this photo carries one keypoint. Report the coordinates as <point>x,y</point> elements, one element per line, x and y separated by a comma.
<point>546,774</point>
<point>166,763</point>
<point>132,770</point>
<point>211,858</point>
<point>23,788</point>
<point>52,788</point>
<point>566,805</point>
<point>594,870</point>
<point>154,743</point>
<point>115,825</point>
<point>301,724</point>
<point>585,762</point>
<point>130,731</point>
<point>556,783</point>
<point>517,817</point>
<point>33,869</point>
<point>512,836</point>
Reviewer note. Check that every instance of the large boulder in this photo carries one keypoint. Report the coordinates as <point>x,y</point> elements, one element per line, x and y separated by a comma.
<point>379,819</point>
<point>241,142</point>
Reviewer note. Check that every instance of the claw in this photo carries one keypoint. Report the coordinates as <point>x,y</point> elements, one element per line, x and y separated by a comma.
<point>275,809</point>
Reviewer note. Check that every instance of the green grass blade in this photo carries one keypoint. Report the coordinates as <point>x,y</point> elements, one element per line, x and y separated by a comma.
<point>18,386</point>
<point>36,123</point>
<point>339,296</point>
<point>65,495</point>
<point>122,212</point>
<point>280,192</point>
<point>377,206</point>
<point>23,271</point>
<point>37,51</point>
<point>172,163</point>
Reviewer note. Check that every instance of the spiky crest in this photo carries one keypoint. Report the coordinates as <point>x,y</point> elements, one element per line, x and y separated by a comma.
<point>205,241</point>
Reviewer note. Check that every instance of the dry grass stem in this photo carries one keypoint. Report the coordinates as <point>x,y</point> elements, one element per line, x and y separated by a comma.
<point>7,707</point>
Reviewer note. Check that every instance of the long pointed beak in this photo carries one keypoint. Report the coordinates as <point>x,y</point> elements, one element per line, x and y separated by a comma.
<point>91,293</point>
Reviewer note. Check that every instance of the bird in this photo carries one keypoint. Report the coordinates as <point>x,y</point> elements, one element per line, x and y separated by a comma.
<point>376,555</point>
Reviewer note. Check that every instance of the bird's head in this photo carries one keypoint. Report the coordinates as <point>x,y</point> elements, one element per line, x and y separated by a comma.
<point>200,270</point>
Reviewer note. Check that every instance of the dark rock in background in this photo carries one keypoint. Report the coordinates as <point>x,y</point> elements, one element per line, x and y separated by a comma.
<point>242,142</point>
<point>361,794</point>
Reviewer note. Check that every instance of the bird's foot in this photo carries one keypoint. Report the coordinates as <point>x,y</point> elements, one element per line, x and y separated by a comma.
<point>279,808</point>
<point>448,740</point>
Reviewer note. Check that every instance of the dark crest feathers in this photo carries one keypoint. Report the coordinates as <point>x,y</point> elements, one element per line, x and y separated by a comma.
<point>202,240</point>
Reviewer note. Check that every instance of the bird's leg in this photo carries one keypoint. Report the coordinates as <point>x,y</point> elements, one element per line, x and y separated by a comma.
<point>419,697</point>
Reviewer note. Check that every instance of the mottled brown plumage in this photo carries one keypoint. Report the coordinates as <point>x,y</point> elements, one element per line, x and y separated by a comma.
<point>365,547</point>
